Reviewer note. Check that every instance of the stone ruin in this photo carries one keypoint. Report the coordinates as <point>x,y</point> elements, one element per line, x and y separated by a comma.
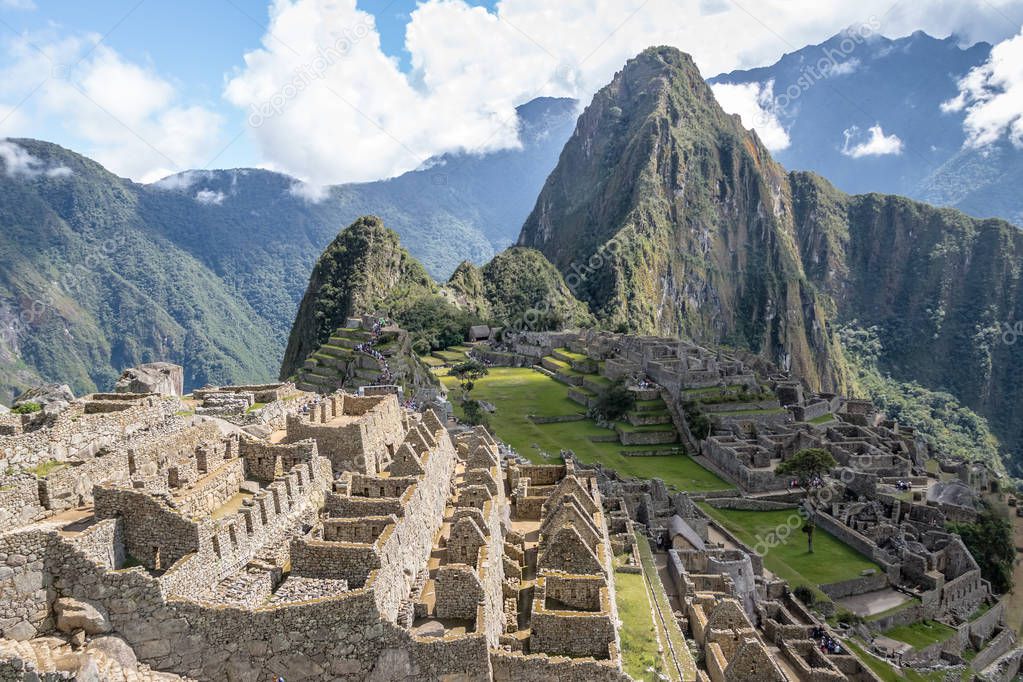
<point>351,538</point>
<point>360,540</point>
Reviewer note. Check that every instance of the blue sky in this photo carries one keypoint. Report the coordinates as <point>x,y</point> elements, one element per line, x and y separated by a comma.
<point>315,90</point>
<point>193,43</point>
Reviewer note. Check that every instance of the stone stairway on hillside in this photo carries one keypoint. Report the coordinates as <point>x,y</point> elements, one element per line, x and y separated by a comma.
<point>356,356</point>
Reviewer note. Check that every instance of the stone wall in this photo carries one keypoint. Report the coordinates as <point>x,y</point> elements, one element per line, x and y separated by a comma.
<point>1002,643</point>
<point>19,501</point>
<point>154,533</point>
<point>854,586</point>
<point>211,491</point>
<point>75,434</point>
<point>510,667</point>
<point>572,633</point>
<point>26,588</point>
<point>459,592</point>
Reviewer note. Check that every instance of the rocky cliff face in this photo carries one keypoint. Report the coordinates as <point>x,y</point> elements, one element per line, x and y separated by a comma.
<point>363,270</point>
<point>666,215</point>
<point>944,291</point>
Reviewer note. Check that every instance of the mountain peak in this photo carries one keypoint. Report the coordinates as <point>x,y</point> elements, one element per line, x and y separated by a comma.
<point>652,194</point>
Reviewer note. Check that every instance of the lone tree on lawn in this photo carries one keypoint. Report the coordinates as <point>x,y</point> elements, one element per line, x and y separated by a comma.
<point>808,467</point>
<point>468,373</point>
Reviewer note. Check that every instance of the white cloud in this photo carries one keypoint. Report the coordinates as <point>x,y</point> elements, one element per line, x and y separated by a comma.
<point>754,103</point>
<point>876,144</point>
<point>844,68</point>
<point>992,97</point>
<point>210,197</point>
<point>124,115</point>
<point>19,162</point>
<point>329,106</point>
<point>17,4</point>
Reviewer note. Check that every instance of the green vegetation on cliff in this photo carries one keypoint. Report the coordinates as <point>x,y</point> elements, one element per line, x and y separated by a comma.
<point>667,216</point>
<point>953,429</point>
<point>520,289</point>
<point>364,270</point>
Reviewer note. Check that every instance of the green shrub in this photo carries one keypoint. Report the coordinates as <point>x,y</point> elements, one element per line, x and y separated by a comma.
<point>699,423</point>
<point>615,401</point>
<point>804,594</point>
<point>474,413</point>
<point>27,408</point>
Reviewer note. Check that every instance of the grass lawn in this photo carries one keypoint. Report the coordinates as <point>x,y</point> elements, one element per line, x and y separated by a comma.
<point>576,357</point>
<point>889,673</point>
<point>516,392</point>
<point>831,561</point>
<point>823,419</point>
<point>674,634</point>
<point>921,635</point>
<point>639,637</point>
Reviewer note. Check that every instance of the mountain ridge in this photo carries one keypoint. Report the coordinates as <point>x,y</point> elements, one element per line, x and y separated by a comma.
<point>716,241</point>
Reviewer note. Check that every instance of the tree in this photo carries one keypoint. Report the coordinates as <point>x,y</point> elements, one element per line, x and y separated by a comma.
<point>615,401</point>
<point>989,540</point>
<point>699,423</point>
<point>808,467</point>
<point>468,373</point>
<point>474,413</point>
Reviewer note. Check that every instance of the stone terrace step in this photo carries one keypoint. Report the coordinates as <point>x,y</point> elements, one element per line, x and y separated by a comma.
<point>648,418</point>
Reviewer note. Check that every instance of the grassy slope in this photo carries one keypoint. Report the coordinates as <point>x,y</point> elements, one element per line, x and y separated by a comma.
<point>831,561</point>
<point>517,392</point>
<point>921,635</point>
<point>638,634</point>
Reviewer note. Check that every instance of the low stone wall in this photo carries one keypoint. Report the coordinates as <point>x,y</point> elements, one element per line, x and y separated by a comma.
<point>749,504</point>
<point>854,586</point>
<point>1005,668</point>
<point>74,433</point>
<point>511,667</point>
<point>983,627</point>
<point>1002,643</point>
<point>572,633</point>
<point>499,359</point>
<point>211,491</point>
<point>561,419</point>
<point>847,535</point>
<point>458,592</point>
<point>19,501</point>
<point>648,453</point>
<point>648,437</point>
<point>26,588</point>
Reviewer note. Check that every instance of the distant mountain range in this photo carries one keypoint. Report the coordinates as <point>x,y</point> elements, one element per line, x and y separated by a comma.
<point>206,268</point>
<point>698,230</point>
<point>832,97</point>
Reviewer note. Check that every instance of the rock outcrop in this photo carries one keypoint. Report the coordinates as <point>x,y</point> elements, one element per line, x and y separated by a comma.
<point>163,378</point>
<point>74,615</point>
